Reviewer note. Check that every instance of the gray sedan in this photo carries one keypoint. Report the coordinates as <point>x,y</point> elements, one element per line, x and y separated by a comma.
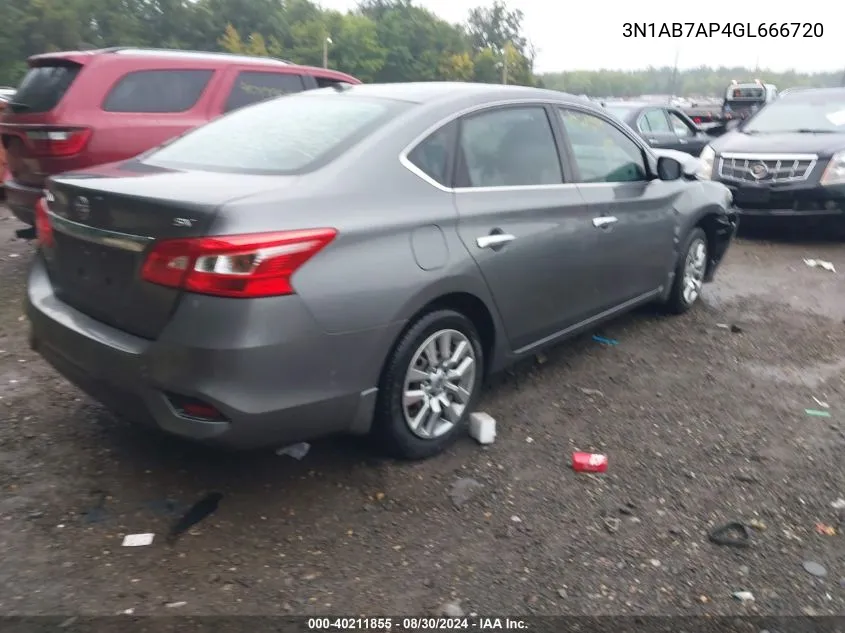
<point>357,259</point>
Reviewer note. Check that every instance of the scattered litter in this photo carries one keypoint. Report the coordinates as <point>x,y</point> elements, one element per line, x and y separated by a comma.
<point>723,326</point>
<point>611,524</point>
<point>482,428</point>
<point>815,569</point>
<point>839,504</point>
<point>591,392</point>
<point>605,341</point>
<point>379,496</point>
<point>138,540</point>
<point>128,611</point>
<point>516,519</point>
<point>14,255</point>
<point>820,263</point>
<point>175,605</point>
<point>196,513</point>
<point>463,490</point>
<point>817,413</point>
<point>297,451</point>
<point>823,405</point>
<point>654,562</point>
<point>529,440</point>
<point>743,596</point>
<point>733,534</point>
<point>825,530</point>
<point>451,610</point>
<point>589,463</point>
<point>757,524</point>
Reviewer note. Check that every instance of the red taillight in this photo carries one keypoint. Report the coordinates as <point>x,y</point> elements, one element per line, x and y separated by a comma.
<point>43,228</point>
<point>697,119</point>
<point>256,265</point>
<point>58,142</point>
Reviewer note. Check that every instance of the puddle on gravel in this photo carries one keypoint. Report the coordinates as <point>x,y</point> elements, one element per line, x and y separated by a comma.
<point>813,377</point>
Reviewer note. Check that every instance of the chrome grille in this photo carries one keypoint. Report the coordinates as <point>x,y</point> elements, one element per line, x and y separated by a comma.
<point>766,168</point>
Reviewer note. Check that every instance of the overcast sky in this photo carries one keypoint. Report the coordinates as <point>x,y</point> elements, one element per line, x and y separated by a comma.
<point>594,40</point>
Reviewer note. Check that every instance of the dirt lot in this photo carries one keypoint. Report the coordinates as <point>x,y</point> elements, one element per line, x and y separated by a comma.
<point>702,425</point>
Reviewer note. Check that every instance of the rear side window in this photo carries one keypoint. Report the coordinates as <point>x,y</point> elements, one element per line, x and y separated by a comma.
<point>433,155</point>
<point>157,91</point>
<point>43,87</point>
<point>252,87</point>
<point>280,136</point>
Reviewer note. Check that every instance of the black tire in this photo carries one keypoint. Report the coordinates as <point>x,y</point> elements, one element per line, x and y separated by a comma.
<point>677,302</point>
<point>390,428</point>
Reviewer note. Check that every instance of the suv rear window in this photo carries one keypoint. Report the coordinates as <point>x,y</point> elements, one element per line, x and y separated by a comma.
<point>288,135</point>
<point>157,91</point>
<point>43,87</point>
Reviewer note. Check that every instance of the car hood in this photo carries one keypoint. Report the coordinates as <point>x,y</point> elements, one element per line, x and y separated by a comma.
<point>821,144</point>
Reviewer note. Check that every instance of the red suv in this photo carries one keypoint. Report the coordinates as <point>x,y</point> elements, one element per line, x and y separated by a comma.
<point>77,109</point>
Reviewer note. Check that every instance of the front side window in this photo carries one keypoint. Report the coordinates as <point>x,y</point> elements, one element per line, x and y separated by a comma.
<point>602,152</point>
<point>252,87</point>
<point>508,147</point>
<point>433,155</point>
<point>280,136</point>
<point>157,91</point>
<point>655,121</point>
<point>679,126</point>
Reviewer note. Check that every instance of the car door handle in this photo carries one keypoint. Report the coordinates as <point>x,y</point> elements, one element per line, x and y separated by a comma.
<point>604,221</point>
<point>493,240</point>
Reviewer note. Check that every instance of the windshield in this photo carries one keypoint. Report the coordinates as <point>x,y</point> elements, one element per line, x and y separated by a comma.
<point>286,135</point>
<point>823,114</point>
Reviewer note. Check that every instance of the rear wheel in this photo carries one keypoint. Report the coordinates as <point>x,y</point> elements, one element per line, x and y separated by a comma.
<point>429,386</point>
<point>689,274</point>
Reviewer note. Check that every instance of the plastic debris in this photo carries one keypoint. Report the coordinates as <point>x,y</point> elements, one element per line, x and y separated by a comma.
<point>839,504</point>
<point>605,341</point>
<point>482,427</point>
<point>591,392</point>
<point>589,463</point>
<point>743,596</point>
<point>138,540</point>
<point>612,524</point>
<point>815,569</point>
<point>757,524</point>
<point>297,451</point>
<point>817,413</point>
<point>825,530</point>
<point>733,534</point>
<point>723,326</point>
<point>175,605</point>
<point>823,405</point>
<point>820,263</point>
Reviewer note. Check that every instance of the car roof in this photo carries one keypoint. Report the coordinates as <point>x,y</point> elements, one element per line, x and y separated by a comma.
<point>174,54</point>
<point>424,92</point>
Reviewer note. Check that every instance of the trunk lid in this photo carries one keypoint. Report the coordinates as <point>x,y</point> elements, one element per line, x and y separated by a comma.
<point>104,222</point>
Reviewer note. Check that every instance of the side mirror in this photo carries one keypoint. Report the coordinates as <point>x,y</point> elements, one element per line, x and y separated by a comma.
<point>669,168</point>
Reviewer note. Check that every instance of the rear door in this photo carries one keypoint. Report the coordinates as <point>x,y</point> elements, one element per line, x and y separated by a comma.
<point>246,85</point>
<point>631,215</point>
<point>526,227</point>
<point>690,140</point>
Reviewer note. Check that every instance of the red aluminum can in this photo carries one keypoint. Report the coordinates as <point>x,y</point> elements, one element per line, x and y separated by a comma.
<point>589,462</point>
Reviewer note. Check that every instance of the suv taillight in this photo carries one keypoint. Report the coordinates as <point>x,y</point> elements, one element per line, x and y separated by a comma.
<point>58,142</point>
<point>43,228</point>
<point>243,266</point>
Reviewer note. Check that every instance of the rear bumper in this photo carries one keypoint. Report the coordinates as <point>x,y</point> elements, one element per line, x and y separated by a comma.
<point>281,381</point>
<point>21,200</point>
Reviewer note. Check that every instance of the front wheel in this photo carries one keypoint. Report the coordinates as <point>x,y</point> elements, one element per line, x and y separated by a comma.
<point>689,273</point>
<point>429,386</point>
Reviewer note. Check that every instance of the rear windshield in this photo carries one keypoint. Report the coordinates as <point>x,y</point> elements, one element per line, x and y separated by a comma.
<point>43,87</point>
<point>287,135</point>
<point>745,93</point>
<point>819,114</point>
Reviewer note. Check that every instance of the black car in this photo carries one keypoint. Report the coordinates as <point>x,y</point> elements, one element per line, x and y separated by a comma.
<point>786,160</point>
<point>662,126</point>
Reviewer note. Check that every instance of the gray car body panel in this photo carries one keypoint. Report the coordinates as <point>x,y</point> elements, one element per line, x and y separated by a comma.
<point>293,368</point>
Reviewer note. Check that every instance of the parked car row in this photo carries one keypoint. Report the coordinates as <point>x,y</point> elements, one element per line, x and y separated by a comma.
<point>352,259</point>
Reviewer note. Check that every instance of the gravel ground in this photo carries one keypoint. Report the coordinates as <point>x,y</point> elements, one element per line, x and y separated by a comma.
<point>702,425</point>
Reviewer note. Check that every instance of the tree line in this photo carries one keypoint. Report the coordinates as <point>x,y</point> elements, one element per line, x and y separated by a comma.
<point>379,41</point>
